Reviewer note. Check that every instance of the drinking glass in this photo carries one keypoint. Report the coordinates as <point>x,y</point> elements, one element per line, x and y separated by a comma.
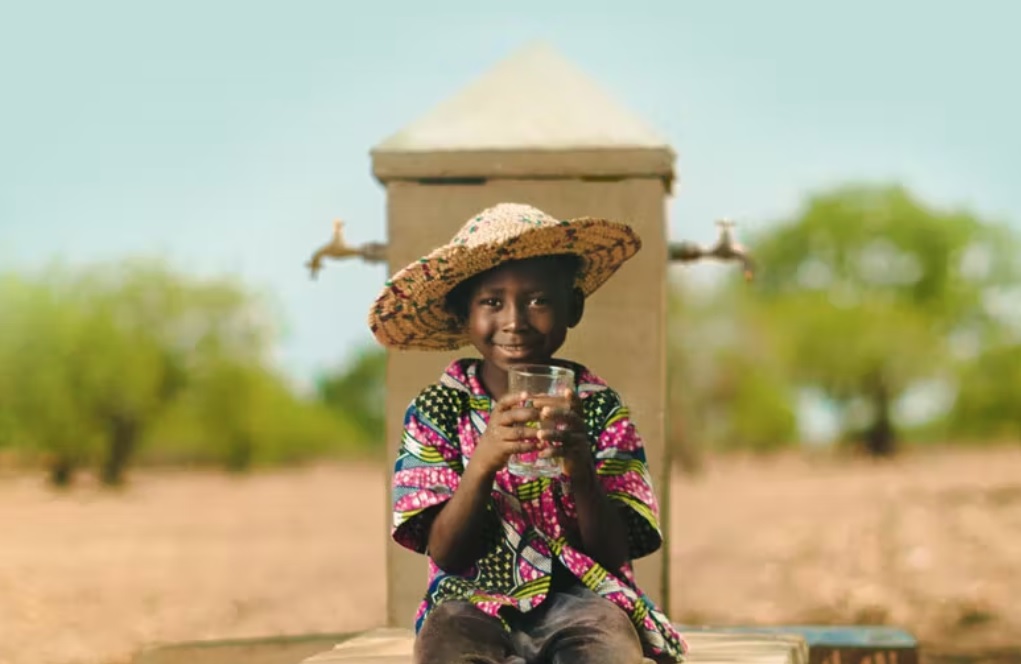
<point>536,380</point>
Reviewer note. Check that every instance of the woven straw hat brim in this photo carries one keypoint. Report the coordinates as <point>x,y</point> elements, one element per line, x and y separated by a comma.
<point>411,314</point>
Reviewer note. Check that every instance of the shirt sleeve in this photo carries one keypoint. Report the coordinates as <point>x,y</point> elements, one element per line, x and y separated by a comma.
<point>621,467</point>
<point>429,464</point>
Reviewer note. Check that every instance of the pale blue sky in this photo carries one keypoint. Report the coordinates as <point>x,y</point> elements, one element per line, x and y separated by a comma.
<point>227,135</point>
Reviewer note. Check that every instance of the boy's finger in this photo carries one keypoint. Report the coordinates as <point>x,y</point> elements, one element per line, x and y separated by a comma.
<point>562,438</point>
<point>523,415</point>
<point>552,412</point>
<point>520,432</point>
<point>511,400</point>
<point>551,400</point>
<point>524,447</point>
<point>569,394</point>
<point>548,434</point>
<point>562,419</point>
<point>555,433</point>
<point>516,415</point>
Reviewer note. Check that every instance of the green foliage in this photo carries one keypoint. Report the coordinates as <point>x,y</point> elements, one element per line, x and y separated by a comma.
<point>98,360</point>
<point>150,330</point>
<point>989,404</point>
<point>358,393</point>
<point>44,355</point>
<point>726,386</point>
<point>863,296</point>
<point>239,416</point>
<point>840,349</point>
<point>871,288</point>
<point>873,243</point>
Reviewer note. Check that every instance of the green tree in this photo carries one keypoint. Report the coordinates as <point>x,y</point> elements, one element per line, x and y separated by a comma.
<point>988,403</point>
<point>872,287</point>
<point>726,386</point>
<point>94,356</point>
<point>358,393</point>
<point>151,329</point>
<point>42,350</point>
<point>249,416</point>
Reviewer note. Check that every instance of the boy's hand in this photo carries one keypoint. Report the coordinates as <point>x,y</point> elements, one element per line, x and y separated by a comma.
<point>507,433</point>
<point>562,425</point>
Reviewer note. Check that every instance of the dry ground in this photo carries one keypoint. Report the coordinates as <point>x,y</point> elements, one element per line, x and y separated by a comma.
<point>930,542</point>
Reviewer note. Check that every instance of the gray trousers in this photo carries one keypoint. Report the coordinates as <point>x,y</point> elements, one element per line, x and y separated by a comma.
<point>573,626</point>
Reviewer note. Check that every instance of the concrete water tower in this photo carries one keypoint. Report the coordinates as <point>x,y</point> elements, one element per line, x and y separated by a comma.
<point>536,130</point>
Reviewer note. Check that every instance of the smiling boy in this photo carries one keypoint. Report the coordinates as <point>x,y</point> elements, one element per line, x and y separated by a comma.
<point>520,570</point>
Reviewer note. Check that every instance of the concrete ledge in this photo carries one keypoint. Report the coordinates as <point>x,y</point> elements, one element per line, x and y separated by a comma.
<point>266,650</point>
<point>785,644</point>
<point>380,646</point>
<point>393,646</point>
<point>527,164</point>
<point>708,647</point>
<point>837,644</point>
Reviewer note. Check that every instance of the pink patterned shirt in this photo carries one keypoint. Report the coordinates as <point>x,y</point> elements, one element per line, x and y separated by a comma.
<point>534,519</point>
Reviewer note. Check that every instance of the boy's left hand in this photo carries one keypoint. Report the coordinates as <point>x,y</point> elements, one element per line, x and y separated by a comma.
<point>562,424</point>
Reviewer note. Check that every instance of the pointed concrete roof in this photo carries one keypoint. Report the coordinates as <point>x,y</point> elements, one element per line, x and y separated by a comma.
<point>535,101</point>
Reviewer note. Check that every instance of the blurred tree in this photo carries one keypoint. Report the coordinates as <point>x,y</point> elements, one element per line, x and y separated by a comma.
<point>93,356</point>
<point>988,404</point>
<point>239,416</point>
<point>250,416</point>
<point>150,329</point>
<point>726,385</point>
<point>872,288</point>
<point>41,355</point>
<point>358,392</point>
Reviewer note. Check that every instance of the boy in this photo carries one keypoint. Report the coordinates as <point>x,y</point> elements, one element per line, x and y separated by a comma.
<point>520,570</point>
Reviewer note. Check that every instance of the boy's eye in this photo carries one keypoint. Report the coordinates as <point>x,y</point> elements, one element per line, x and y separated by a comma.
<point>540,301</point>
<point>490,301</point>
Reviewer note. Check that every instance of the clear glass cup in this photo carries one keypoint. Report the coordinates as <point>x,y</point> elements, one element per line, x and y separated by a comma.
<point>536,380</point>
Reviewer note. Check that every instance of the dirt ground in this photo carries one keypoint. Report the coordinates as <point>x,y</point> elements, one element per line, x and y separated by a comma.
<point>930,542</point>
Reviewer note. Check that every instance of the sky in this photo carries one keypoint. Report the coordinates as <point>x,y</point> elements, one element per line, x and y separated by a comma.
<point>226,136</point>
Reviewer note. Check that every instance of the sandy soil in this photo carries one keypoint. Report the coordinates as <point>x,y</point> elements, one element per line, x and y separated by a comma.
<point>929,542</point>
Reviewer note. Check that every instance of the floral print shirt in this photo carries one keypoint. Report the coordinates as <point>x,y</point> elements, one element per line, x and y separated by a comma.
<point>533,517</point>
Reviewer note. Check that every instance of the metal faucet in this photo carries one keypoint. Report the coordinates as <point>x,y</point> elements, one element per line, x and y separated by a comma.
<point>372,252</point>
<point>725,249</point>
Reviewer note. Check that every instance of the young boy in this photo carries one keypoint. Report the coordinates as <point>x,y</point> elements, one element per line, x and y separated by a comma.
<point>520,570</point>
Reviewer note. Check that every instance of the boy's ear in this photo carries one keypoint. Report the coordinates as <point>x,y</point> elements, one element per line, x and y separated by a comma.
<point>577,307</point>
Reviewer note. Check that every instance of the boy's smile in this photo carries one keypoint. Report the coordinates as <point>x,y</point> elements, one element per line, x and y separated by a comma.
<point>519,313</point>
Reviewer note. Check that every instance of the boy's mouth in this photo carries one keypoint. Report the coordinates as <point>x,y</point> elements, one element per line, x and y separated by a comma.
<point>516,349</point>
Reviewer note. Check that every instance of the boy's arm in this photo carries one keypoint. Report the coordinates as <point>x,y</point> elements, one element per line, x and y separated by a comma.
<point>457,535</point>
<point>601,525</point>
<point>616,512</point>
<point>429,467</point>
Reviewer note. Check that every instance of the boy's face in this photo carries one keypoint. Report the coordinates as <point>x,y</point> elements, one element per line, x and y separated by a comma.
<point>520,312</point>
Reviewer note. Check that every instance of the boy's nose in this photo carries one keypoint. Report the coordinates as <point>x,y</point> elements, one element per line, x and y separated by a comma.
<point>515,318</point>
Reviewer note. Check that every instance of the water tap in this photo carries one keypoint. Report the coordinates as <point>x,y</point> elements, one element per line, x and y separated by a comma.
<point>725,249</point>
<point>337,248</point>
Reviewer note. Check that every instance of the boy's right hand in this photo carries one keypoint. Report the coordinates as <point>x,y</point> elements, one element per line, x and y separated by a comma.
<point>507,433</point>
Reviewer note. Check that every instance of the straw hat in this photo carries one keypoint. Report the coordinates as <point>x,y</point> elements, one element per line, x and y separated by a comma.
<point>410,312</point>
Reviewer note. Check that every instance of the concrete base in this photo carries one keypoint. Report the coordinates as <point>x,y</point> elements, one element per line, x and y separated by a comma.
<point>393,646</point>
<point>837,644</point>
<point>267,650</point>
<point>787,644</point>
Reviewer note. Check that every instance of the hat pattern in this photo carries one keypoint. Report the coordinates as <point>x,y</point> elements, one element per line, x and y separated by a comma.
<point>410,312</point>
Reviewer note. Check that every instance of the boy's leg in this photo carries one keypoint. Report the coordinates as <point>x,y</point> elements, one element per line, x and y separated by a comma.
<point>577,625</point>
<point>458,633</point>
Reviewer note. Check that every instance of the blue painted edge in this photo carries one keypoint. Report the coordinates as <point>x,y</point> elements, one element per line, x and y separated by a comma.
<point>836,636</point>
